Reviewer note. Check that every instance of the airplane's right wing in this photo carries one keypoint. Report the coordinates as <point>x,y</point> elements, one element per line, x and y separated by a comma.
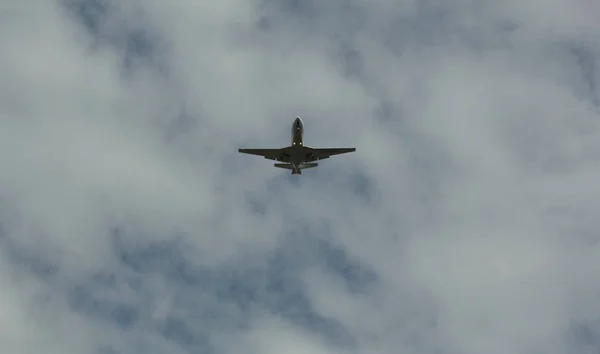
<point>316,154</point>
<point>271,154</point>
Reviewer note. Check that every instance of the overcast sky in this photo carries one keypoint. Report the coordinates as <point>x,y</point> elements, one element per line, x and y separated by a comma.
<point>465,223</point>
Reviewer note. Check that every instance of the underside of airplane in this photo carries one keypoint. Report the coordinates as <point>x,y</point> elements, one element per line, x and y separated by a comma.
<point>297,157</point>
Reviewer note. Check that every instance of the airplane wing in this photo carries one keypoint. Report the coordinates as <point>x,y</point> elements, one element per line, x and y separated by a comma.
<point>271,154</point>
<point>324,153</point>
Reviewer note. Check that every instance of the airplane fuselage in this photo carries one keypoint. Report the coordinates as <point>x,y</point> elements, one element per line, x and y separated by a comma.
<point>296,155</point>
<point>297,132</point>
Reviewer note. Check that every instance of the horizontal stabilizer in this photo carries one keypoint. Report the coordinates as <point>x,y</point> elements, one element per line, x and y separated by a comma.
<point>308,165</point>
<point>284,165</point>
<point>301,167</point>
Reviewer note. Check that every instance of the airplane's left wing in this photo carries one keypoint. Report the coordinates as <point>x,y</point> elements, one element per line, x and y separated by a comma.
<point>323,153</point>
<point>271,154</point>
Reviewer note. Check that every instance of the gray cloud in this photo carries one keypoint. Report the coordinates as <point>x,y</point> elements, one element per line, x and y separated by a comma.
<point>464,223</point>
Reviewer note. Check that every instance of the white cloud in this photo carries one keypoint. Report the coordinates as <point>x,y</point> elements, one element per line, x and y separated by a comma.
<point>465,219</point>
<point>273,335</point>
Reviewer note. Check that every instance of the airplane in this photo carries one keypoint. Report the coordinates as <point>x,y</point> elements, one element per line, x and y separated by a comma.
<point>297,157</point>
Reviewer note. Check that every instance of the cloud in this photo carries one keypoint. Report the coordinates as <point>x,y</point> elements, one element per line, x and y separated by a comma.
<point>463,223</point>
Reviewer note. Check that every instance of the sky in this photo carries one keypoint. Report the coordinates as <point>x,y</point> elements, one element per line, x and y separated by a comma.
<point>463,223</point>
